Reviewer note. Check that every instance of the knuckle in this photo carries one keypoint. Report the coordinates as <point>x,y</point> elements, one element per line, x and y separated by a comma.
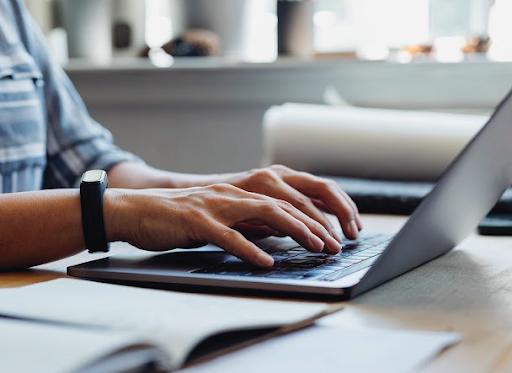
<point>270,207</point>
<point>279,168</point>
<point>229,235</point>
<point>354,207</point>
<point>352,203</point>
<point>349,214</point>
<point>265,174</point>
<point>303,227</point>
<point>285,204</point>
<point>216,187</point>
<point>321,228</point>
<point>302,202</point>
<point>222,188</point>
<point>313,224</point>
<point>331,184</point>
<point>325,185</point>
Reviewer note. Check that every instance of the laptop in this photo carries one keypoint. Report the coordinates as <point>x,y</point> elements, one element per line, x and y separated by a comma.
<point>463,195</point>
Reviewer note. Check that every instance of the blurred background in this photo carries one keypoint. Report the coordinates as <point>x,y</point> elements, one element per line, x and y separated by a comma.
<point>401,30</point>
<point>186,83</point>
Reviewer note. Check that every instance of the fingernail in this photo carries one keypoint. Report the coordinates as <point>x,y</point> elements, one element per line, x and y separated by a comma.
<point>264,260</point>
<point>316,243</point>
<point>360,225</point>
<point>354,228</point>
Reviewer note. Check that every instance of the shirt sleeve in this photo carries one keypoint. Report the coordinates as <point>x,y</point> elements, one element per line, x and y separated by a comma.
<point>75,141</point>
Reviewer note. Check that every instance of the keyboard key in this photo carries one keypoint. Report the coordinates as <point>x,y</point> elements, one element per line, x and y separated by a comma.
<point>316,273</point>
<point>295,262</point>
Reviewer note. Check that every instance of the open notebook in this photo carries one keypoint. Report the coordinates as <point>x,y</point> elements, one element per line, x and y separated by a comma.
<point>75,325</point>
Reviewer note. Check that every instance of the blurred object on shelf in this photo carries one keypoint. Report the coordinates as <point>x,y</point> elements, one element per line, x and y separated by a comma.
<point>365,142</point>
<point>477,44</point>
<point>405,30</point>
<point>260,30</point>
<point>192,43</point>
<point>160,58</point>
<point>444,49</point>
<point>235,22</point>
<point>89,29</point>
<point>418,49</point>
<point>341,55</point>
<point>128,27</point>
<point>376,51</point>
<point>408,53</point>
<point>295,28</point>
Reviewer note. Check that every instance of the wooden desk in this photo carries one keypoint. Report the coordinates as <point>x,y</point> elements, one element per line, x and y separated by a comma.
<point>469,291</point>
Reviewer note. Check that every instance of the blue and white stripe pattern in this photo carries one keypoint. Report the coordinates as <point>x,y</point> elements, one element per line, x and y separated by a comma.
<point>47,138</point>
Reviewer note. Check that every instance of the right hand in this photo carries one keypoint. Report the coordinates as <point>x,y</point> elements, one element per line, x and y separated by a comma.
<point>163,219</point>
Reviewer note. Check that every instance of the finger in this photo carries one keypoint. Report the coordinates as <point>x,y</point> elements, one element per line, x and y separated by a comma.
<point>260,223</point>
<point>285,192</point>
<point>277,218</point>
<point>344,194</point>
<point>332,245</point>
<point>268,210</point>
<point>255,231</point>
<point>323,207</point>
<point>235,243</point>
<point>328,193</point>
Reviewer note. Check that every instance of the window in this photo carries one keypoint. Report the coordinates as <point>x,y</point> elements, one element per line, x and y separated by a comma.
<point>375,28</point>
<point>402,30</point>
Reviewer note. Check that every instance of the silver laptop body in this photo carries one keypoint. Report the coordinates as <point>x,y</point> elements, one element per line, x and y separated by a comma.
<point>464,194</point>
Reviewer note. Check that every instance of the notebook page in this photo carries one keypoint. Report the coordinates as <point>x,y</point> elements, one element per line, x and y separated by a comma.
<point>177,321</point>
<point>36,347</point>
<point>334,350</point>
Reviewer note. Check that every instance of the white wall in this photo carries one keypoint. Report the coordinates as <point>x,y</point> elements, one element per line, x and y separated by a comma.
<point>206,117</point>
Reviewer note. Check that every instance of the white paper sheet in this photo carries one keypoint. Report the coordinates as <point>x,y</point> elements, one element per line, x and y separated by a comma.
<point>361,142</point>
<point>27,347</point>
<point>328,349</point>
<point>175,320</point>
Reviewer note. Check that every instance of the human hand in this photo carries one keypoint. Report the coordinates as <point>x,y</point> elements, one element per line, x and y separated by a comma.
<point>312,195</point>
<point>162,219</point>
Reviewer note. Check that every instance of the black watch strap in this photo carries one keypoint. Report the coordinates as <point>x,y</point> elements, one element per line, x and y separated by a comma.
<point>92,189</point>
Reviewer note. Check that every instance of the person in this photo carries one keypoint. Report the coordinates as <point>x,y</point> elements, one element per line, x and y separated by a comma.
<point>48,140</point>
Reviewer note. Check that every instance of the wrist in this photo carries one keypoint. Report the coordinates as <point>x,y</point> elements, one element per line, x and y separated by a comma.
<point>114,216</point>
<point>179,180</point>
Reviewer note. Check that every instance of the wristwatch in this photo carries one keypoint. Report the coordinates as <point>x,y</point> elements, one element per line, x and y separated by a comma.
<point>92,189</point>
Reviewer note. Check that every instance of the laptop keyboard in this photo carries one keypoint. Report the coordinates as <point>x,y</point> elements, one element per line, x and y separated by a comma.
<point>291,261</point>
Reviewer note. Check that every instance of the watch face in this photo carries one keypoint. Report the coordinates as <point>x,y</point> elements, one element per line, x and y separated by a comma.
<point>93,176</point>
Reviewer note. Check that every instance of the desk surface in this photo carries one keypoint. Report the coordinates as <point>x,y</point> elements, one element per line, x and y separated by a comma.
<point>469,291</point>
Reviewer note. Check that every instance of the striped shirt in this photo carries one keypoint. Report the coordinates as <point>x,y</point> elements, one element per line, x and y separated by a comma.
<point>47,138</point>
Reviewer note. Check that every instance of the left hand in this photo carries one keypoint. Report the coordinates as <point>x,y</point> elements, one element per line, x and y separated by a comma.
<point>311,194</point>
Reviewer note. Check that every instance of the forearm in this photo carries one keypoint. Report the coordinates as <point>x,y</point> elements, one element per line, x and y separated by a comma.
<point>140,176</point>
<point>39,227</point>
<point>43,226</point>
